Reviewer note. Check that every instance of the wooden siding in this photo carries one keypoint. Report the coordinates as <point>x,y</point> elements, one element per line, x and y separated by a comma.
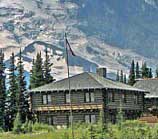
<point>58,98</point>
<point>62,118</point>
<point>129,104</point>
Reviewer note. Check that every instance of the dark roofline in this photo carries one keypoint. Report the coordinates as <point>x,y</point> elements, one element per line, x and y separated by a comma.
<point>100,81</point>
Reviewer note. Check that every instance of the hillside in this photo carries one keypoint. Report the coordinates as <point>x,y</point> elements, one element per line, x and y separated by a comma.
<point>102,33</point>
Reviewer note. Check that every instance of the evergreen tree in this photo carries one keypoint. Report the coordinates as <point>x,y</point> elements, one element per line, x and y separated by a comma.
<point>145,71</point>
<point>23,105</point>
<point>37,75</point>
<point>150,73</point>
<point>132,74</point>
<point>47,69</point>
<point>157,72</point>
<point>137,71</point>
<point>124,79</point>
<point>13,89</point>
<point>2,90</point>
<point>118,76</point>
<point>32,75</point>
<point>121,76</point>
<point>17,127</point>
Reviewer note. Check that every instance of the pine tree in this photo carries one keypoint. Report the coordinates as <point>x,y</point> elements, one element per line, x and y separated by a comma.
<point>118,76</point>
<point>2,90</point>
<point>132,74</point>
<point>124,79</point>
<point>150,73</point>
<point>121,76</point>
<point>37,75</point>
<point>157,72</point>
<point>17,126</point>
<point>23,105</point>
<point>13,89</point>
<point>137,71</point>
<point>145,71</point>
<point>47,69</point>
<point>32,75</point>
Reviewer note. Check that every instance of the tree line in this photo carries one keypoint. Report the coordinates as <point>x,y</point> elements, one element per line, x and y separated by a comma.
<point>14,100</point>
<point>137,72</point>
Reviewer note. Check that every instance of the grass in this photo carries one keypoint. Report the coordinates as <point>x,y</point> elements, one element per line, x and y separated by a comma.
<point>40,135</point>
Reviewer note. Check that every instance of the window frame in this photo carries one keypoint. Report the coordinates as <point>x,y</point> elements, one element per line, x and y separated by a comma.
<point>87,119</point>
<point>67,98</point>
<point>124,97</point>
<point>89,97</point>
<point>90,118</point>
<point>136,98</point>
<point>46,99</point>
<point>111,96</point>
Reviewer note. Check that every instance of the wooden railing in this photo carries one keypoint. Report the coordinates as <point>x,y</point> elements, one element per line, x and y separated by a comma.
<point>68,107</point>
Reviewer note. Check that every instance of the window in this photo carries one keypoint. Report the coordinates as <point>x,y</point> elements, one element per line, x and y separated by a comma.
<point>44,99</point>
<point>92,96</point>
<point>47,99</point>
<point>124,98</point>
<point>93,119</point>
<point>54,120</point>
<point>67,98</point>
<point>70,119</point>
<point>89,97</point>
<point>90,119</point>
<point>111,97</point>
<point>49,120</point>
<point>136,100</point>
<point>87,118</point>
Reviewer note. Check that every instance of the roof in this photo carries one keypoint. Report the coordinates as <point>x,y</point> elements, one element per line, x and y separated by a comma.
<point>150,85</point>
<point>84,80</point>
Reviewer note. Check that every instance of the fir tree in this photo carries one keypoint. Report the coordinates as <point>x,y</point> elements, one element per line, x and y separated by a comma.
<point>150,73</point>
<point>145,71</point>
<point>23,105</point>
<point>37,75</point>
<point>118,76</point>
<point>137,71</point>
<point>2,90</point>
<point>124,79</point>
<point>132,74</point>
<point>157,72</point>
<point>13,89</point>
<point>32,75</point>
<point>121,76</point>
<point>17,126</point>
<point>47,69</point>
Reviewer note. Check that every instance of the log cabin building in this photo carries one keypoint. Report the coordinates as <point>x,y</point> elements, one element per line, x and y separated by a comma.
<point>151,99</point>
<point>91,93</point>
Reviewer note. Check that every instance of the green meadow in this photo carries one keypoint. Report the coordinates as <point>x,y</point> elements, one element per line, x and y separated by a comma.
<point>124,130</point>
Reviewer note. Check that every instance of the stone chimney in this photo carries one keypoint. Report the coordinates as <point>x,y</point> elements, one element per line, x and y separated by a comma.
<point>101,72</point>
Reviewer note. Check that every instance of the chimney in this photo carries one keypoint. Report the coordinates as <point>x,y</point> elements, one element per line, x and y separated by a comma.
<point>101,72</point>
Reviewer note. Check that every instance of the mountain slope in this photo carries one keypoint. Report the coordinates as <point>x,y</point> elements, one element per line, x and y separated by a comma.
<point>102,33</point>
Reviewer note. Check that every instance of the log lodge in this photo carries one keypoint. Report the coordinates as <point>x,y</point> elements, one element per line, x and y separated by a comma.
<point>151,100</point>
<point>91,94</point>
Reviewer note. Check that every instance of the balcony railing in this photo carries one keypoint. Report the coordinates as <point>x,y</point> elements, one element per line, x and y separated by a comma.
<point>68,107</point>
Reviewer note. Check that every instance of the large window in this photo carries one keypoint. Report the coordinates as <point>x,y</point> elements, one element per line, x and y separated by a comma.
<point>89,97</point>
<point>51,120</point>
<point>90,118</point>
<point>47,99</point>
